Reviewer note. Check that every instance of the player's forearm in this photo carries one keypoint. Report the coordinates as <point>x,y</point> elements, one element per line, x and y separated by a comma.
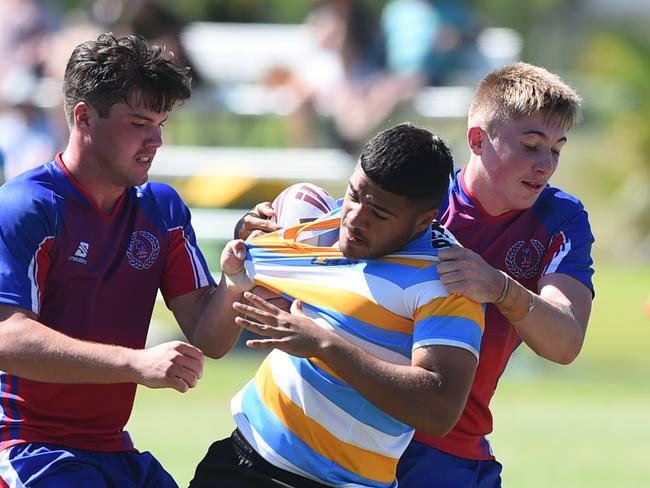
<point>411,394</point>
<point>32,350</point>
<point>216,331</point>
<point>547,324</point>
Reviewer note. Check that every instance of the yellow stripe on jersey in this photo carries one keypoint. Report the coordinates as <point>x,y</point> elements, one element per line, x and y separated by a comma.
<point>453,306</point>
<point>284,242</point>
<point>360,461</point>
<point>332,223</point>
<point>415,263</point>
<point>322,365</point>
<point>343,301</point>
<point>274,243</point>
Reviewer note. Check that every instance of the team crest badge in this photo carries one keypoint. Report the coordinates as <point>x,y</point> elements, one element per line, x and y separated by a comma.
<point>143,249</point>
<point>523,258</point>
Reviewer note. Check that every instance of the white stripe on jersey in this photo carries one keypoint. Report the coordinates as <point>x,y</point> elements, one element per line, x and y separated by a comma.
<point>376,350</point>
<point>32,273</point>
<point>200,276</point>
<point>7,471</point>
<point>564,250</point>
<point>260,445</point>
<point>330,416</point>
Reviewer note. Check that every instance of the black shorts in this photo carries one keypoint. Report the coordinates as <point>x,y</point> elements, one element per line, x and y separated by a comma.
<point>233,463</point>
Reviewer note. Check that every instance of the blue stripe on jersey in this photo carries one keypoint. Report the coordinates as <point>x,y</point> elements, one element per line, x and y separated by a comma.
<point>347,399</point>
<point>397,273</point>
<point>395,341</point>
<point>280,439</point>
<point>458,329</point>
<point>277,258</point>
<point>9,387</point>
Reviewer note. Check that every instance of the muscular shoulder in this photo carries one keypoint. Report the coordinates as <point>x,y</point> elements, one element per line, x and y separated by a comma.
<point>30,197</point>
<point>164,200</point>
<point>556,206</point>
<point>161,192</point>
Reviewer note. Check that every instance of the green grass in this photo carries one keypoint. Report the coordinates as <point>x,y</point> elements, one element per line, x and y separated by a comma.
<point>582,425</point>
<point>619,331</point>
<point>572,433</point>
<point>178,428</point>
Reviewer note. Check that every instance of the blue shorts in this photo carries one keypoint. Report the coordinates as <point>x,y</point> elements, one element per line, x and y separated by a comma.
<point>423,466</point>
<point>52,466</point>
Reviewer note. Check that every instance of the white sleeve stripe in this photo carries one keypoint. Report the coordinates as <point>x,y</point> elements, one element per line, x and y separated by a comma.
<point>445,342</point>
<point>200,276</point>
<point>32,273</point>
<point>558,256</point>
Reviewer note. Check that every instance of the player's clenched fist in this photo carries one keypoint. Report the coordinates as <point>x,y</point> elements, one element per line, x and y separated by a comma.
<point>256,222</point>
<point>233,256</point>
<point>175,364</point>
<point>466,273</point>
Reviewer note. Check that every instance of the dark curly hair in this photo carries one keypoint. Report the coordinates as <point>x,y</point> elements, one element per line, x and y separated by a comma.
<point>114,70</point>
<point>409,161</point>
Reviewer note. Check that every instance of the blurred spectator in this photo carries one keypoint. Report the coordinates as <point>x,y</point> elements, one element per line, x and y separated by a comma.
<point>27,138</point>
<point>26,135</point>
<point>24,25</point>
<point>76,27</point>
<point>346,82</point>
<point>432,41</point>
<point>159,25</point>
<point>411,51</point>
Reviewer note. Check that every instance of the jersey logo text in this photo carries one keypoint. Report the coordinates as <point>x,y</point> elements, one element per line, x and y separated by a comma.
<point>81,253</point>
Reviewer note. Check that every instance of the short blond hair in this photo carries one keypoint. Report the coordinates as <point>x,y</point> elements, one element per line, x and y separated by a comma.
<point>519,90</point>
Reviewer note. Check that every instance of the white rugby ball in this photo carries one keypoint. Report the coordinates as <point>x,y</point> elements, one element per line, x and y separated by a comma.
<point>301,203</point>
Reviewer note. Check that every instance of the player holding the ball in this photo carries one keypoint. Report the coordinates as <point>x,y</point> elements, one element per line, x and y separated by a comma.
<point>527,255</point>
<point>373,345</point>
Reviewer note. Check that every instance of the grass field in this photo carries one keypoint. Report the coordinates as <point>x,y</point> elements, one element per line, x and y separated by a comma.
<point>582,425</point>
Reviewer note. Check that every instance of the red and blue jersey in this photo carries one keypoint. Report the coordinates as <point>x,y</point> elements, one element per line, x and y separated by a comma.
<point>93,277</point>
<point>553,236</point>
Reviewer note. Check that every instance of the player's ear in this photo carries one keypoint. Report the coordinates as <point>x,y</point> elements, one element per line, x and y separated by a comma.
<point>475,138</point>
<point>425,218</point>
<point>82,114</point>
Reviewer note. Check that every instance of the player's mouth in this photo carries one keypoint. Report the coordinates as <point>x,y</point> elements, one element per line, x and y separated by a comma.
<point>535,186</point>
<point>353,238</point>
<point>144,159</point>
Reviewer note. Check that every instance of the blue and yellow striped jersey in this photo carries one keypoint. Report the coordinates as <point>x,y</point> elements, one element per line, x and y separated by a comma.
<point>296,412</point>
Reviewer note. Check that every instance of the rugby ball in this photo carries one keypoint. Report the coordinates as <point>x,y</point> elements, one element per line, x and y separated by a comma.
<point>302,203</point>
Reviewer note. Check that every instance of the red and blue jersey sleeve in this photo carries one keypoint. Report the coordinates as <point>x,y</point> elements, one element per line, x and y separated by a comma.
<point>29,223</point>
<point>569,248</point>
<point>186,269</point>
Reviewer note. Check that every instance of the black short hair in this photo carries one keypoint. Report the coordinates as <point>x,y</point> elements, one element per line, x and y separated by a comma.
<point>409,161</point>
<point>127,70</point>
